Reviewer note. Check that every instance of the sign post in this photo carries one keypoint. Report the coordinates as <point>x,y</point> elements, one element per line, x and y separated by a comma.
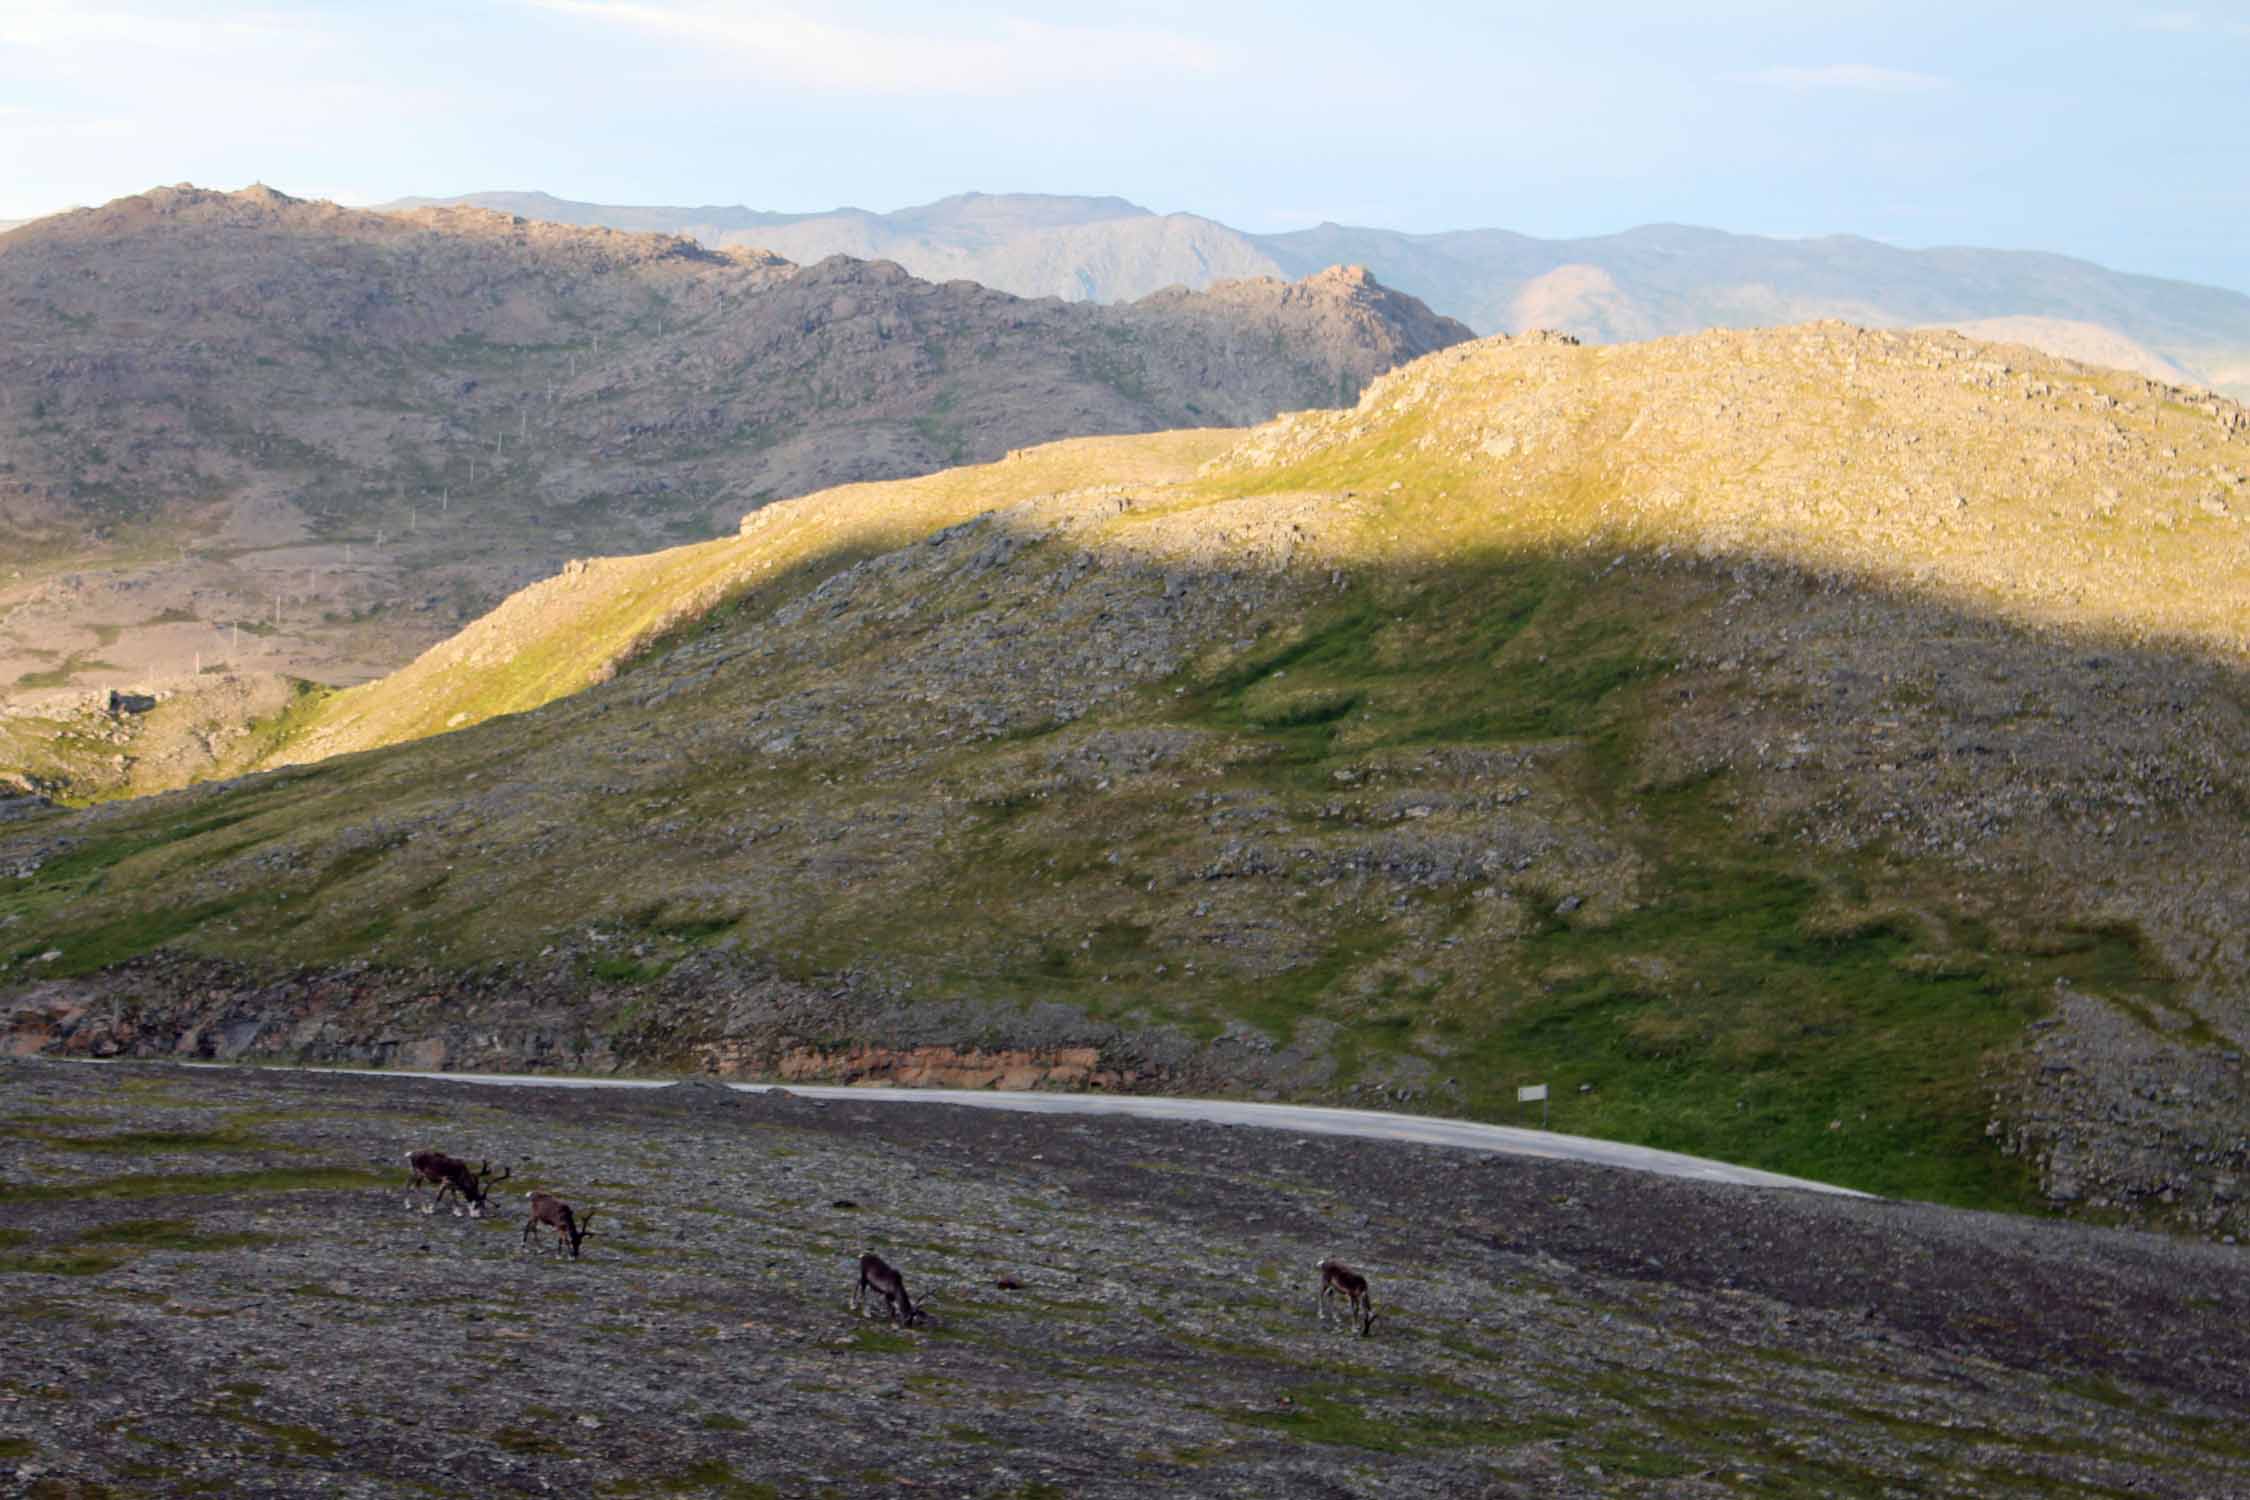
<point>1531,1091</point>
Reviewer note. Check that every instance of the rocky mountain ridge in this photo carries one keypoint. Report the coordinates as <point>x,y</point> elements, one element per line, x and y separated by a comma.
<point>1817,747</point>
<point>246,438</point>
<point>1642,283</point>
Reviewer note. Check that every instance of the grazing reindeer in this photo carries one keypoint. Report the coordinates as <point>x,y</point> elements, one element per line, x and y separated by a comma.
<point>1340,1280</point>
<point>875,1272</point>
<point>551,1211</point>
<point>452,1176</point>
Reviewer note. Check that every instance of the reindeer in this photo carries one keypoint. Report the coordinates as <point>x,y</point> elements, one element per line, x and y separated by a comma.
<point>452,1176</point>
<point>875,1272</point>
<point>551,1211</point>
<point>1340,1280</point>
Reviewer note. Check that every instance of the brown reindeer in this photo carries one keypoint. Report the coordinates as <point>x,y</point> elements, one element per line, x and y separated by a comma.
<point>547,1209</point>
<point>889,1285</point>
<point>1340,1280</point>
<point>451,1176</point>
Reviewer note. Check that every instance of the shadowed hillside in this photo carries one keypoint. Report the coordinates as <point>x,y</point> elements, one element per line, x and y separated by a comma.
<point>1816,748</point>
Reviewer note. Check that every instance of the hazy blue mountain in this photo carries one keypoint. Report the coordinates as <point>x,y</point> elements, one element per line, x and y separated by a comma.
<point>1646,282</point>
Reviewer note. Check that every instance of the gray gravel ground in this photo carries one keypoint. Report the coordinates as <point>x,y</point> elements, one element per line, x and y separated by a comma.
<point>210,1282</point>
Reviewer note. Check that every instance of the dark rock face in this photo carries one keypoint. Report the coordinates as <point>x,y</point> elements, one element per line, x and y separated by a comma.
<point>14,805</point>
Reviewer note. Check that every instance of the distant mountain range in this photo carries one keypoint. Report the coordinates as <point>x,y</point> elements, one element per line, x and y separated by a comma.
<point>1647,282</point>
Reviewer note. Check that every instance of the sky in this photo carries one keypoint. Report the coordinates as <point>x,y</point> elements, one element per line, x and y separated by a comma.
<point>2114,132</point>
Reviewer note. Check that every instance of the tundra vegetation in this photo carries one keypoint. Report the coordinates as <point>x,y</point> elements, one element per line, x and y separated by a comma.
<point>1115,1307</point>
<point>1816,748</point>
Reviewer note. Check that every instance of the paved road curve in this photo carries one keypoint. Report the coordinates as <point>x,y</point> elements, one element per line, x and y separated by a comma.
<point>1467,1135</point>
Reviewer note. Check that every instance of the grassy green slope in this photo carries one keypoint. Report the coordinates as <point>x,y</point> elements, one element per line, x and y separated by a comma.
<point>1744,759</point>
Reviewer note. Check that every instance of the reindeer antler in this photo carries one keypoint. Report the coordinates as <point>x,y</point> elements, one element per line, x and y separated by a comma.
<point>505,1173</point>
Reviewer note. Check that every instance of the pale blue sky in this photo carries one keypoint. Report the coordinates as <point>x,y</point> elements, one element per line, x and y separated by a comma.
<point>2109,131</point>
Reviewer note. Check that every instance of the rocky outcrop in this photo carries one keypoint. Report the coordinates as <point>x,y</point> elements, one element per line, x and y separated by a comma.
<point>960,1068</point>
<point>716,1019</point>
<point>2131,1116</point>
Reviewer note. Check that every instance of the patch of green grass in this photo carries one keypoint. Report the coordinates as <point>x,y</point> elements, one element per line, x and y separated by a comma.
<point>1498,650</point>
<point>528,1440</point>
<point>146,1142</point>
<point>1275,1003</point>
<point>1728,1018</point>
<point>196,1184</point>
<point>111,1245</point>
<point>269,736</point>
<point>17,1447</point>
<point>172,1234</point>
<point>296,1438</point>
<point>1319,1416</point>
<point>102,943</point>
<point>1617,1457</point>
<point>60,676</point>
<point>715,1476</point>
<point>67,1261</point>
<point>881,1338</point>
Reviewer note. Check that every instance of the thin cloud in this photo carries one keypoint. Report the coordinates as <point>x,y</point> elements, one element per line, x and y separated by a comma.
<point>1013,54</point>
<point>1861,77</point>
<point>2188,23</point>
